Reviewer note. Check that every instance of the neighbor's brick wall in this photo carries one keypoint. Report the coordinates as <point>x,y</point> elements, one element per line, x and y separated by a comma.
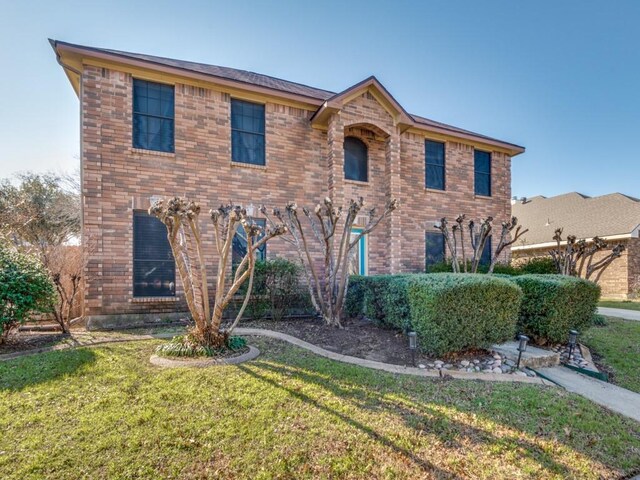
<point>302,164</point>
<point>617,280</point>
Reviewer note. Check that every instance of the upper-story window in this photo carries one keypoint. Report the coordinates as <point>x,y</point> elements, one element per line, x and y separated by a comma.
<point>434,165</point>
<point>482,169</point>
<point>153,116</point>
<point>154,271</point>
<point>355,159</point>
<point>247,132</point>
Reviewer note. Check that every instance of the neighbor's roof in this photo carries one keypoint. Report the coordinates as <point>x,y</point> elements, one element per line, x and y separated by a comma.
<point>313,95</point>
<point>585,217</point>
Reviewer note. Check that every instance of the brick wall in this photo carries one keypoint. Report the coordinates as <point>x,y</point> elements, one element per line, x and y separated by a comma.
<point>302,164</point>
<point>618,279</point>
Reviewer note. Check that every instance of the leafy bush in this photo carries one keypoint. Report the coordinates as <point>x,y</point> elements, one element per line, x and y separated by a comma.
<point>25,288</point>
<point>187,346</point>
<point>554,304</point>
<point>450,312</point>
<point>455,312</point>
<point>276,290</point>
<point>542,265</point>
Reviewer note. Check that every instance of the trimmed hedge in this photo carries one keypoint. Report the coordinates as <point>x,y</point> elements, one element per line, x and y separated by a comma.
<point>449,312</point>
<point>554,304</point>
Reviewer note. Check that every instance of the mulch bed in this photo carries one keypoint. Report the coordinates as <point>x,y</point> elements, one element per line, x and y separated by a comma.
<point>24,341</point>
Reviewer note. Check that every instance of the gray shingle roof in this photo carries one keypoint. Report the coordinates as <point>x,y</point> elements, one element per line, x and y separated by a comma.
<point>576,214</point>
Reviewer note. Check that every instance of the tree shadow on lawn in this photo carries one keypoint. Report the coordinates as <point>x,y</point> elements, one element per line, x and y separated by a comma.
<point>435,418</point>
<point>31,370</point>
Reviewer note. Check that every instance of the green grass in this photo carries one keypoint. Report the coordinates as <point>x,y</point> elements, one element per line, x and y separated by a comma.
<point>618,344</point>
<point>105,412</point>
<point>625,304</point>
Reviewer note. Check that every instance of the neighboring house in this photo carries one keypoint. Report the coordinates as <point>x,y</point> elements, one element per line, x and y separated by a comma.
<point>155,127</point>
<point>614,217</point>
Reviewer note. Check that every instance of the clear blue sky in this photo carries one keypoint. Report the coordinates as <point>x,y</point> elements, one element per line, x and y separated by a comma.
<point>561,78</point>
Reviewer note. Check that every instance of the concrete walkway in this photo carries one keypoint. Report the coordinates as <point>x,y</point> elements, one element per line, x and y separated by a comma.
<point>610,396</point>
<point>620,313</point>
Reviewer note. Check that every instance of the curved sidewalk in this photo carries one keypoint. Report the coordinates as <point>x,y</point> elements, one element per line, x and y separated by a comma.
<point>620,313</point>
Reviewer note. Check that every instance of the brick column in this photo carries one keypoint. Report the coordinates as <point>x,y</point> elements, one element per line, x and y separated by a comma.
<point>394,229</point>
<point>335,160</point>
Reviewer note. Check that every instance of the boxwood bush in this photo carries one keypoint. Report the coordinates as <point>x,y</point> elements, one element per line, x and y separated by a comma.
<point>554,304</point>
<point>449,312</point>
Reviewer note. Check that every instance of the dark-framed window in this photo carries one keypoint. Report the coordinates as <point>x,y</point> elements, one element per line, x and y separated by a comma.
<point>153,116</point>
<point>434,249</point>
<point>485,256</point>
<point>434,165</point>
<point>355,159</point>
<point>239,245</point>
<point>247,132</point>
<point>154,270</point>
<point>482,169</point>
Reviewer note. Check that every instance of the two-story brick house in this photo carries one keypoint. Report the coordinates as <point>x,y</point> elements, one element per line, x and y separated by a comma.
<point>157,127</point>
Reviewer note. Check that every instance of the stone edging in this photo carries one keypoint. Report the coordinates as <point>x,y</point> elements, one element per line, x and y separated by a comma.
<point>208,362</point>
<point>386,367</point>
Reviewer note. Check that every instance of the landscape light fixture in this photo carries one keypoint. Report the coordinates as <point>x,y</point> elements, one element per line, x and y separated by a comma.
<point>522,346</point>
<point>573,340</point>
<point>413,345</point>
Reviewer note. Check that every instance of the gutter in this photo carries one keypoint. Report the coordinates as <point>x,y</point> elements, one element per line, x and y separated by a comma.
<point>536,246</point>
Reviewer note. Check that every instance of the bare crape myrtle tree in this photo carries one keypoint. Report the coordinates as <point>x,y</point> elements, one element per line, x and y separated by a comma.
<point>576,257</point>
<point>454,238</point>
<point>181,217</point>
<point>331,227</point>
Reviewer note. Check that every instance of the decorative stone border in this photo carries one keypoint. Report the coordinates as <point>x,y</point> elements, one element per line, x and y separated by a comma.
<point>209,362</point>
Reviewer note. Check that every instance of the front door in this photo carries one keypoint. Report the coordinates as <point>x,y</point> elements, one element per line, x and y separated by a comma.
<point>358,263</point>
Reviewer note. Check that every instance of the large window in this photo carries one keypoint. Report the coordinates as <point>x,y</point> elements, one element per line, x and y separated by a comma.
<point>355,159</point>
<point>434,249</point>
<point>247,132</point>
<point>154,273</point>
<point>153,116</point>
<point>239,246</point>
<point>434,165</point>
<point>482,168</point>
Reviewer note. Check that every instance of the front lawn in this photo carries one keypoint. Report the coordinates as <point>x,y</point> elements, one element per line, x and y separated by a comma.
<point>624,304</point>
<point>105,412</point>
<point>618,347</point>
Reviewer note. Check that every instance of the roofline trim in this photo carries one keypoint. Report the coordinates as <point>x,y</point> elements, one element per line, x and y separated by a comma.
<point>535,246</point>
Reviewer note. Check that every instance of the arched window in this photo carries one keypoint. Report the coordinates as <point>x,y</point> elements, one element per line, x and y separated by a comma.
<point>355,159</point>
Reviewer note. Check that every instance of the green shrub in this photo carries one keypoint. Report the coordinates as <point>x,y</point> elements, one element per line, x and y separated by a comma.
<point>554,304</point>
<point>450,312</point>
<point>25,288</point>
<point>541,265</point>
<point>276,290</point>
<point>455,312</point>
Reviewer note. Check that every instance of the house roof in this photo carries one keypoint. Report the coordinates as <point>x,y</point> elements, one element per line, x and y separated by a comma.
<point>613,215</point>
<point>315,96</point>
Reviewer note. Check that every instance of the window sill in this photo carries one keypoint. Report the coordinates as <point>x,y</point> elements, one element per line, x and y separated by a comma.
<point>142,151</point>
<point>487,197</point>
<point>248,165</point>
<point>356,182</point>
<point>434,190</point>
<point>154,299</point>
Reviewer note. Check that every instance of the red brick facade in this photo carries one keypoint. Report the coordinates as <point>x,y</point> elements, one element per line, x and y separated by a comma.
<point>303,164</point>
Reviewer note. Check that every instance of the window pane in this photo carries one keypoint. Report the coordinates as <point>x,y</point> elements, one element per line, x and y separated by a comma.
<point>355,159</point>
<point>482,161</point>
<point>483,184</point>
<point>485,256</point>
<point>434,242</point>
<point>247,147</point>
<point>434,152</point>
<point>153,124</point>
<point>239,244</point>
<point>153,265</point>
<point>435,177</point>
